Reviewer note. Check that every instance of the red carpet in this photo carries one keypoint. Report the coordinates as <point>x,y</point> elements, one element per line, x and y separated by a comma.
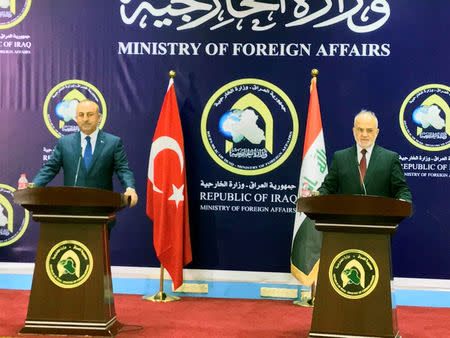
<point>209,317</point>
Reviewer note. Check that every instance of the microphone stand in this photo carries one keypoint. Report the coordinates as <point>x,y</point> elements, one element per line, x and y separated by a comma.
<point>78,169</point>
<point>361,179</point>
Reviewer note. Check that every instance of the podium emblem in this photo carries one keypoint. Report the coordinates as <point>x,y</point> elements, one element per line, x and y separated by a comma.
<point>353,274</point>
<point>69,264</point>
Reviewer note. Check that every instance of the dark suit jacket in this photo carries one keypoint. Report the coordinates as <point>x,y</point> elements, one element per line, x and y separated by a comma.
<point>109,157</point>
<point>384,175</point>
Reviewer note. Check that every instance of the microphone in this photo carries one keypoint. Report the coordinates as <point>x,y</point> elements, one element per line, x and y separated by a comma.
<point>361,178</point>
<point>78,168</point>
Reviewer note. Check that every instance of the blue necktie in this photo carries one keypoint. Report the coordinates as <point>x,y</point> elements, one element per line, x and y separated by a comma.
<point>87,152</point>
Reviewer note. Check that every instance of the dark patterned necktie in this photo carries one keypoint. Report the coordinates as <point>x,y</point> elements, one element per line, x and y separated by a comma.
<point>88,152</point>
<point>363,165</point>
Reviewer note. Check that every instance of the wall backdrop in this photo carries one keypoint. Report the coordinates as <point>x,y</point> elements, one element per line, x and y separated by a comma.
<point>387,56</point>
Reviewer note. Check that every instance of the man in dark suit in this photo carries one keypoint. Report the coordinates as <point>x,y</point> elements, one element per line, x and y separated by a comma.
<point>366,168</point>
<point>90,157</point>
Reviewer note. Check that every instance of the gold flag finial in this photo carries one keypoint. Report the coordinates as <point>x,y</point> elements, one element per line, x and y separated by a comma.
<point>314,73</point>
<point>172,74</point>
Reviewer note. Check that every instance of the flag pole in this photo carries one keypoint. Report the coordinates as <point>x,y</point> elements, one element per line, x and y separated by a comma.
<point>161,296</point>
<point>308,299</point>
<point>314,73</point>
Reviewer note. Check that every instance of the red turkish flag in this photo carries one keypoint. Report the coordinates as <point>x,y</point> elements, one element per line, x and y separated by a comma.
<point>167,203</point>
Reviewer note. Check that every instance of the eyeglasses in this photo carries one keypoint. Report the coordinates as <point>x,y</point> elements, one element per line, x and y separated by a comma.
<point>362,130</point>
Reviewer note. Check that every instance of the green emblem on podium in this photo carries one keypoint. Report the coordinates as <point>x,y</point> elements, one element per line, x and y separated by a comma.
<point>69,264</point>
<point>353,274</point>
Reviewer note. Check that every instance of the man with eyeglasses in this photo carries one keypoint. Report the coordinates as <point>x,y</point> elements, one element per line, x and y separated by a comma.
<point>366,168</point>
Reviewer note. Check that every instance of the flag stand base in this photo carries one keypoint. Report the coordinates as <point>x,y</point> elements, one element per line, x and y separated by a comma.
<point>161,297</point>
<point>305,299</point>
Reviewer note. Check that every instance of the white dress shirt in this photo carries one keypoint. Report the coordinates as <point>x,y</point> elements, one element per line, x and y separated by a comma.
<point>368,153</point>
<point>93,140</point>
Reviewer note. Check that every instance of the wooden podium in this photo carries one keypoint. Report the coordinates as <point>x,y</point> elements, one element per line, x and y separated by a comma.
<point>353,297</point>
<point>71,291</point>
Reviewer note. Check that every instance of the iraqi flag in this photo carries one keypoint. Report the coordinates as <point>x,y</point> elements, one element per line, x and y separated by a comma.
<point>307,241</point>
<point>167,203</point>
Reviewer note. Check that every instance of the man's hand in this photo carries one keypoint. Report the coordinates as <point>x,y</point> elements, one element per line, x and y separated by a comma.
<point>130,192</point>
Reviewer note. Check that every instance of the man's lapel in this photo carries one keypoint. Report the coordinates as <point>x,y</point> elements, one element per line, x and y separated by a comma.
<point>374,162</point>
<point>76,145</point>
<point>354,164</point>
<point>76,149</point>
